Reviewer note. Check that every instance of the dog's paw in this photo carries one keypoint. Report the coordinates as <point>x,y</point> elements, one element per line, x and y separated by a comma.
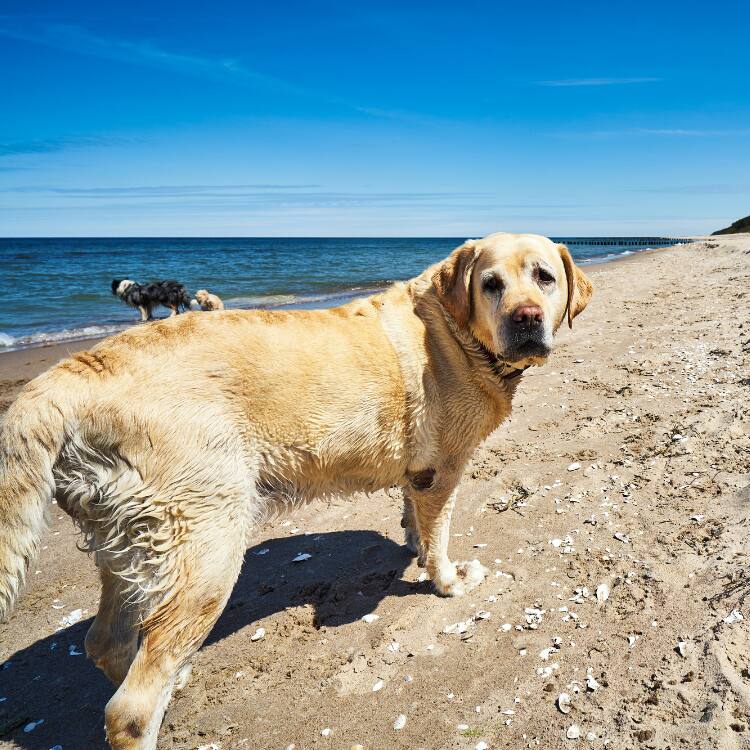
<point>472,572</point>
<point>462,578</point>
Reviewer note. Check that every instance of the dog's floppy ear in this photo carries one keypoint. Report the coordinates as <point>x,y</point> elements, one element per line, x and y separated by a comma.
<point>580,288</point>
<point>452,281</point>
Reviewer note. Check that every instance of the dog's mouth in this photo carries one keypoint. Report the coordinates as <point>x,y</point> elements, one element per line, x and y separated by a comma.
<point>524,353</point>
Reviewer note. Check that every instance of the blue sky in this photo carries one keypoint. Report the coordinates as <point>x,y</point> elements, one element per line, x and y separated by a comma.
<point>387,118</point>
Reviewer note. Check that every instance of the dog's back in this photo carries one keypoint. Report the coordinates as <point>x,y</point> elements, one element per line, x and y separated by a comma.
<point>170,293</point>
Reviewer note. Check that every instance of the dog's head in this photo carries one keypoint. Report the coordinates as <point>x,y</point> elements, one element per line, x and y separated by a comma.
<point>202,296</point>
<point>512,292</point>
<point>120,286</point>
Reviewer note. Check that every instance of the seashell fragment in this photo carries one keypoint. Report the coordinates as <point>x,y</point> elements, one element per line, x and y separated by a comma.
<point>326,732</point>
<point>72,618</point>
<point>591,683</point>
<point>370,618</point>
<point>734,616</point>
<point>574,732</point>
<point>481,745</point>
<point>400,722</point>
<point>682,648</point>
<point>377,686</point>
<point>602,593</point>
<point>258,634</point>
<point>624,538</point>
<point>458,627</point>
<point>563,703</point>
<point>574,466</point>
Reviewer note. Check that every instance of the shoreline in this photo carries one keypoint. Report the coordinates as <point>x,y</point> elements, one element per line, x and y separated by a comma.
<point>80,343</point>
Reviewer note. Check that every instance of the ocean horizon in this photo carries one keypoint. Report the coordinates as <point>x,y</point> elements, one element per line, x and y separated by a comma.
<point>58,289</point>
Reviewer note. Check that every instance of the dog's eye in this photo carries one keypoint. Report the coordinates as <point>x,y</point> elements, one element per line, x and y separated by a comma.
<point>492,284</point>
<point>544,277</point>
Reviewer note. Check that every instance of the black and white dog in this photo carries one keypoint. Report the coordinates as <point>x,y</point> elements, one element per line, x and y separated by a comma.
<point>146,297</point>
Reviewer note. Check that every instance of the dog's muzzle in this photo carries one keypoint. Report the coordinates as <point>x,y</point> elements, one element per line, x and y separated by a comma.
<point>525,334</point>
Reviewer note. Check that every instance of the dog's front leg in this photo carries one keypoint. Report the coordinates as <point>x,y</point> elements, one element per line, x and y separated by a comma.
<point>145,313</point>
<point>432,508</point>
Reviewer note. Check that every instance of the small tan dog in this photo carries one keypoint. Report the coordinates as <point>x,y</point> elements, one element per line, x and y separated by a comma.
<point>166,478</point>
<point>208,301</point>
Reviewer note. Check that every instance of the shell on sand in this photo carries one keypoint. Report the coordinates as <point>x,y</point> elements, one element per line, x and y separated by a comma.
<point>563,703</point>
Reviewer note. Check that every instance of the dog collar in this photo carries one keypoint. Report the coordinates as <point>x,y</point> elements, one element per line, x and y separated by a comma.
<point>501,370</point>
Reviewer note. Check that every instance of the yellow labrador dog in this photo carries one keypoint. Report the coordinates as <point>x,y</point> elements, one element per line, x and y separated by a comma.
<point>166,479</point>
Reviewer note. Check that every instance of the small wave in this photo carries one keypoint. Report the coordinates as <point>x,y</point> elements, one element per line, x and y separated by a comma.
<point>608,257</point>
<point>271,300</point>
<point>295,300</point>
<point>9,343</point>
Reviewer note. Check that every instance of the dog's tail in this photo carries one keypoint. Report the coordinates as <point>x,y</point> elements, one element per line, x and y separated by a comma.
<point>32,433</point>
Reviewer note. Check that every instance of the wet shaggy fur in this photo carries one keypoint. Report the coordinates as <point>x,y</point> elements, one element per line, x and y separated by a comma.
<point>167,477</point>
<point>208,301</point>
<point>145,297</point>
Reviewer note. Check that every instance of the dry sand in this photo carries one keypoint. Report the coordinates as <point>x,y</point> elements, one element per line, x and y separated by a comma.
<point>649,395</point>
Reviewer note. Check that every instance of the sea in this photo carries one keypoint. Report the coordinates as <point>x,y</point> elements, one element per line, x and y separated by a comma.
<point>57,290</point>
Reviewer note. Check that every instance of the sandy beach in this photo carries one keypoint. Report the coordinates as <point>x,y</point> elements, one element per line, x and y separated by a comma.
<point>612,510</point>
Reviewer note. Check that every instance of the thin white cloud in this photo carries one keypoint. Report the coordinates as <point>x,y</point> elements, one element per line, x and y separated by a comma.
<point>51,145</point>
<point>712,189</point>
<point>76,39</point>
<point>570,82</point>
<point>693,133</point>
<point>144,191</point>
<point>657,132</point>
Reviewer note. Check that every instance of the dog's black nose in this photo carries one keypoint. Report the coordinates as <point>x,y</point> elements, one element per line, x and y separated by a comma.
<point>528,316</point>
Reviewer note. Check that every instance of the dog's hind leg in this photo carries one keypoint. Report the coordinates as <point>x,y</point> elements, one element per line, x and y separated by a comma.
<point>206,565</point>
<point>411,532</point>
<point>112,640</point>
